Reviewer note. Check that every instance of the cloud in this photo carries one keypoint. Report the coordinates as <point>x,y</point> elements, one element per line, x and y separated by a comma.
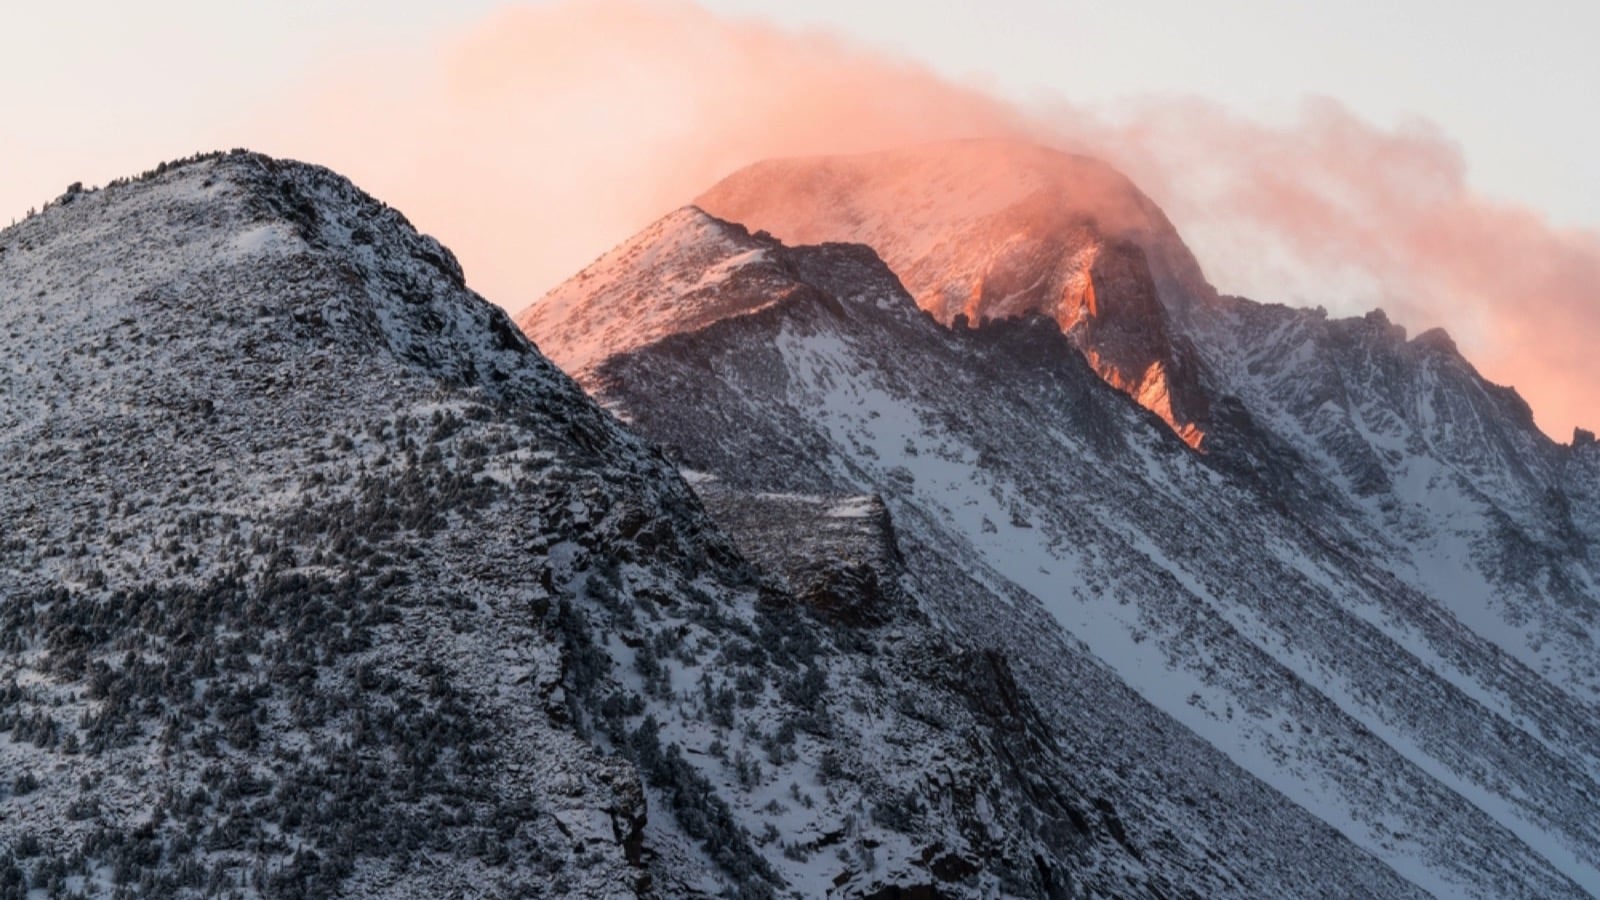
<point>1330,209</point>
<point>537,140</point>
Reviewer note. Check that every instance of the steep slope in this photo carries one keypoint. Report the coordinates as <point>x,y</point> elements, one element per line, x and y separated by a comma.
<point>1487,515</point>
<point>643,301</point>
<point>319,580</point>
<point>995,229</point>
<point>248,411</point>
<point>1229,635</point>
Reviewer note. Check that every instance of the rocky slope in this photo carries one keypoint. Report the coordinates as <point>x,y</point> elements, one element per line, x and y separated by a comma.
<point>319,580</point>
<point>1238,636</point>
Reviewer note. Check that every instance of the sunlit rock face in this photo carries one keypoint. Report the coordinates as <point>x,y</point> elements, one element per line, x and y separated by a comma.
<point>985,230</point>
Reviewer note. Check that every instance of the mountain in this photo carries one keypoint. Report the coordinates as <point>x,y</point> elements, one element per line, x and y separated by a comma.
<point>685,271</point>
<point>1349,637</point>
<point>319,580</point>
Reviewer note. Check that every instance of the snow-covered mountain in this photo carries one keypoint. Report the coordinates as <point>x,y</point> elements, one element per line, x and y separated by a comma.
<point>1482,511</point>
<point>318,579</point>
<point>1356,627</point>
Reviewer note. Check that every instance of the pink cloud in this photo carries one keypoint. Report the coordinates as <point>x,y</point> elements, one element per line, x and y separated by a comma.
<point>1333,197</point>
<point>545,135</point>
<point>538,140</point>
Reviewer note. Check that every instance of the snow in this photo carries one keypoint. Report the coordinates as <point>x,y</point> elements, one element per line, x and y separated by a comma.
<point>268,238</point>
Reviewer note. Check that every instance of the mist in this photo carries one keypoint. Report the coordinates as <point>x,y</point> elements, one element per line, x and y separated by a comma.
<point>537,140</point>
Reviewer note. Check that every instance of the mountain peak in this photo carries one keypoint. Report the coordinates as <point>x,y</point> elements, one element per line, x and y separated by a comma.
<point>683,272</point>
<point>1437,339</point>
<point>1031,207</point>
<point>1000,229</point>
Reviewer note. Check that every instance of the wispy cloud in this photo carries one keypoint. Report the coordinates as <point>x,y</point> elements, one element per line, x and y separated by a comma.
<point>547,134</point>
<point>1331,209</point>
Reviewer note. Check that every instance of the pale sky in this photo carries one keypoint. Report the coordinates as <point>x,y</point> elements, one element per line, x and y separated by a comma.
<point>1514,82</point>
<point>97,88</point>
